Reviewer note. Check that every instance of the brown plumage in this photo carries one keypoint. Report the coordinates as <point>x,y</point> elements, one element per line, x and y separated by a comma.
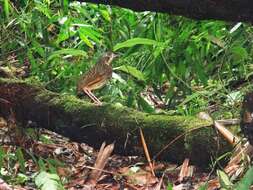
<point>96,77</point>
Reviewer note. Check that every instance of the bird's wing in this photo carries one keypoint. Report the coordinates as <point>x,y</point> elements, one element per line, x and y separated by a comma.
<point>97,81</point>
<point>93,80</point>
<point>96,77</point>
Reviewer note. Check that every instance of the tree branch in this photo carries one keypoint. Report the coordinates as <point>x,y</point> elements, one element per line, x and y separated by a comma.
<point>229,10</point>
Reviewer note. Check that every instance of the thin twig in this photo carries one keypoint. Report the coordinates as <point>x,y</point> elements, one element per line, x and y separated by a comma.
<point>145,148</point>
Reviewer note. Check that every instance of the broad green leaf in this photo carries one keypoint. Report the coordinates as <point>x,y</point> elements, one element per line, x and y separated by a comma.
<point>89,32</point>
<point>47,181</point>
<point>72,52</point>
<point>135,41</point>
<point>131,71</point>
<point>85,40</point>
<point>224,179</point>
<point>246,181</point>
<point>145,105</point>
<point>239,53</point>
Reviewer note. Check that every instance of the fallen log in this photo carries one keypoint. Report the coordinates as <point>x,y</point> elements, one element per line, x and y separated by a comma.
<point>85,122</point>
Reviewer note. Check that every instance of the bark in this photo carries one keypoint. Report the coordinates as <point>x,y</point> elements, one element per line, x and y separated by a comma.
<point>247,117</point>
<point>236,10</point>
<point>84,122</point>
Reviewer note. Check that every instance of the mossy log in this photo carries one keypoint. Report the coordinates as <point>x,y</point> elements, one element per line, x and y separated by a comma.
<point>85,122</point>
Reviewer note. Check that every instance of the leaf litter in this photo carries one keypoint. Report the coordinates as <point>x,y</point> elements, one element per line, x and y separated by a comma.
<point>48,160</point>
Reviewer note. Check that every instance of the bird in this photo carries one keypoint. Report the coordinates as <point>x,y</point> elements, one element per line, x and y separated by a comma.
<point>96,77</point>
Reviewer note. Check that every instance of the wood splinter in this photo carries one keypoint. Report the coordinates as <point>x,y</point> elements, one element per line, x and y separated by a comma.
<point>102,158</point>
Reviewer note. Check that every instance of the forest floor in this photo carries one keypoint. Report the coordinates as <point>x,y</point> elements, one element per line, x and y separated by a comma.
<point>38,158</point>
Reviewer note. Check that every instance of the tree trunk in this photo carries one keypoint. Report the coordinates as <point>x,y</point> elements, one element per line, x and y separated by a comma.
<point>85,122</point>
<point>236,10</point>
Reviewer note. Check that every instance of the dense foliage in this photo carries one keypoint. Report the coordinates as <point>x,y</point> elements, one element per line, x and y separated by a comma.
<point>189,65</point>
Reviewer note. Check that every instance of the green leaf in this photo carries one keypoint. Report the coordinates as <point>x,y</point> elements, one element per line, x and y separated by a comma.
<point>85,40</point>
<point>145,106</point>
<point>105,14</point>
<point>89,32</point>
<point>41,164</point>
<point>246,181</point>
<point>72,52</point>
<point>131,71</point>
<point>239,53</point>
<point>38,48</point>
<point>2,155</point>
<point>65,31</point>
<point>224,179</point>
<point>6,8</point>
<point>130,98</point>
<point>41,7</point>
<point>203,187</point>
<point>216,41</point>
<point>65,4</point>
<point>169,186</point>
<point>192,97</point>
<point>135,41</point>
<point>21,159</point>
<point>47,181</point>
<point>21,178</point>
<point>201,73</point>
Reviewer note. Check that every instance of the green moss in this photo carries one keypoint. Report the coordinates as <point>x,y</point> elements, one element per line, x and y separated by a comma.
<point>114,123</point>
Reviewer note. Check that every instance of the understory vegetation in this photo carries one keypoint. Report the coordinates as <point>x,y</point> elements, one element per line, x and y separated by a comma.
<point>190,66</point>
<point>166,63</point>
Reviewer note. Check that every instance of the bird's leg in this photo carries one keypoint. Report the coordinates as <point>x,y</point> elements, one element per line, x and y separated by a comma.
<point>97,101</point>
<point>92,96</point>
<point>87,92</point>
